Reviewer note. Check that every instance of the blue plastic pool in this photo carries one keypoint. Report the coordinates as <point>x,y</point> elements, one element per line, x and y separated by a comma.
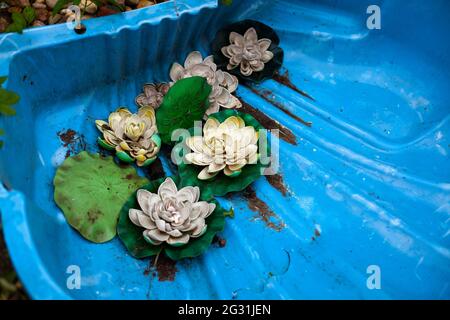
<point>368,184</point>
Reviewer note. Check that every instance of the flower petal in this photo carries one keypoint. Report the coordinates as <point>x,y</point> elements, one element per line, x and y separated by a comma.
<point>167,189</point>
<point>215,167</point>
<point>267,56</point>
<point>188,194</point>
<point>149,240</point>
<point>192,59</point>
<point>205,175</point>
<point>178,241</point>
<point>157,235</point>
<point>199,159</point>
<point>176,72</point>
<point>236,38</point>
<point>213,108</point>
<point>140,219</point>
<point>174,233</point>
<point>264,44</point>
<point>250,36</point>
<point>198,146</point>
<point>147,200</point>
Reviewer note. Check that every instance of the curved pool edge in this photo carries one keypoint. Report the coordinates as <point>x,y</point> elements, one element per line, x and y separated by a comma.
<point>39,283</point>
<point>50,35</point>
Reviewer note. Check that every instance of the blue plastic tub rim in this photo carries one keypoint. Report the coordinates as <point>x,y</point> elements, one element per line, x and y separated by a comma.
<point>12,43</point>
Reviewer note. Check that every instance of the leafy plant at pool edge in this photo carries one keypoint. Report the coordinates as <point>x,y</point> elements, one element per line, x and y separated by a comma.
<point>21,20</point>
<point>7,100</point>
<point>248,49</point>
<point>159,217</point>
<point>91,190</point>
<point>185,102</point>
<point>216,168</point>
<point>61,3</point>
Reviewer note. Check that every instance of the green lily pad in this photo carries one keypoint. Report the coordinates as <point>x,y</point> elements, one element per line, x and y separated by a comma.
<point>132,238</point>
<point>221,184</point>
<point>91,190</point>
<point>185,102</point>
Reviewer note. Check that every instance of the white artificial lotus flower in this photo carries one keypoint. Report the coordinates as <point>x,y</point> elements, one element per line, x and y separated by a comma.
<point>153,95</point>
<point>172,216</point>
<point>133,136</point>
<point>247,52</point>
<point>227,146</point>
<point>222,83</point>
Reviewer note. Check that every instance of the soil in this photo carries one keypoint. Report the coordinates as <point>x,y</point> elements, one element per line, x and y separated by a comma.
<point>10,286</point>
<point>43,11</point>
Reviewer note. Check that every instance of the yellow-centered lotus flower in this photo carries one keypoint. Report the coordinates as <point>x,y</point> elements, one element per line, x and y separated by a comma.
<point>133,136</point>
<point>226,146</point>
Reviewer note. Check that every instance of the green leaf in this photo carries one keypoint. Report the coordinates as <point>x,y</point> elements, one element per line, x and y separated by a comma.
<point>6,109</point>
<point>59,5</point>
<point>7,99</point>
<point>131,235</point>
<point>2,80</point>
<point>29,14</point>
<point>14,27</point>
<point>91,190</point>
<point>222,184</point>
<point>76,2</point>
<point>185,103</point>
<point>19,19</point>
<point>119,6</point>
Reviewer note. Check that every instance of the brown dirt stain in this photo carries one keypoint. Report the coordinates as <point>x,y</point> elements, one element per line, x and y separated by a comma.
<point>165,268</point>
<point>276,181</point>
<point>219,241</point>
<point>73,141</point>
<point>269,97</point>
<point>263,212</point>
<point>286,81</point>
<point>269,123</point>
<point>316,234</point>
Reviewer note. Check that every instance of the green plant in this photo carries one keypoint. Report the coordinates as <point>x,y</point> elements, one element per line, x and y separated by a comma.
<point>21,20</point>
<point>134,240</point>
<point>61,3</point>
<point>91,190</point>
<point>185,102</point>
<point>7,100</point>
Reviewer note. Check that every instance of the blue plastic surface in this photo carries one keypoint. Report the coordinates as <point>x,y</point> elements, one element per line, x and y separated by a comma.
<point>371,175</point>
